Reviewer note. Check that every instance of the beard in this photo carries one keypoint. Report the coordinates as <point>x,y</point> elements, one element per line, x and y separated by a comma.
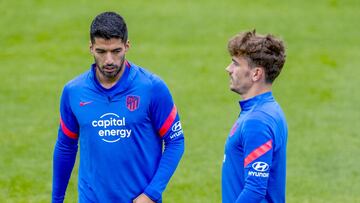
<point>110,71</point>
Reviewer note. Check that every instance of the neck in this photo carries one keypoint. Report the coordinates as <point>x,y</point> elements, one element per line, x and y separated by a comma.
<point>256,90</point>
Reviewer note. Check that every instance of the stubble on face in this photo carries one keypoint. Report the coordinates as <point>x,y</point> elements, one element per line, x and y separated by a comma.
<point>240,81</point>
<point>109,57</point>
<point>110,71</point>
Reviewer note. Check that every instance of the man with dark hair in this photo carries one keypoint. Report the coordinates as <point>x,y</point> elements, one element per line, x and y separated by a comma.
<point>121,115</point>
<point>254,166</point>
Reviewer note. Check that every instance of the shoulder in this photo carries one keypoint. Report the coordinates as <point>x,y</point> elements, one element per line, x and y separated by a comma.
<point>257,121</point>
<point>78,82</point>
<point>269,112</point>
<point>269,121</point>
<point>146,77</point>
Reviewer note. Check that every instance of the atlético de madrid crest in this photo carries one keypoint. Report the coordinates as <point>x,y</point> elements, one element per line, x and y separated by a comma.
<point>132,102</point>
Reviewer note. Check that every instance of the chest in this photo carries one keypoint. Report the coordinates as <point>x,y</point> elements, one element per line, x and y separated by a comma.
<point>234,141</point>
<point>111,118</point>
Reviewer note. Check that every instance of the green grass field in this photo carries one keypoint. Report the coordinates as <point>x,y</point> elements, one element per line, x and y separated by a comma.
<point>45,43</point>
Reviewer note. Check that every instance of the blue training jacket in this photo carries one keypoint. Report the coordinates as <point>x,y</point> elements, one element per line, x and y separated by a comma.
<point>121,132</point>
<point>254,166</point>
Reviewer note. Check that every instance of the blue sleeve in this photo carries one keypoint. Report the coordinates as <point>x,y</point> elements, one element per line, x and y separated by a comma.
<point>166,121</point>
<point>258,150</point>
<point>65,150</point>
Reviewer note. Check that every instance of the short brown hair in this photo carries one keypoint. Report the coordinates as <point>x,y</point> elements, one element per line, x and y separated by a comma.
<point>264,51</point>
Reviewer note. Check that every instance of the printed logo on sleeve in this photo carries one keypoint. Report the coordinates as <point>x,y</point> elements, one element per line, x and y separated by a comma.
<point>260,168</point>
<point>176,127</point>
<point>176,130</point>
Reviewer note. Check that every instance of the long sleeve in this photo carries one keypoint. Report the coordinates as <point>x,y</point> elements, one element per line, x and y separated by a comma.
<point>63,163</point>
<point>168,163</point>
<point>258,150</point>
<point>65,149</point>
<point>167,122</point>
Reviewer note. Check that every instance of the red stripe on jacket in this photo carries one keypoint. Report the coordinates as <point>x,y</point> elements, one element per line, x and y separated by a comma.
<point>66,130</point>
<point>167,124</point>
<point>258,152</point>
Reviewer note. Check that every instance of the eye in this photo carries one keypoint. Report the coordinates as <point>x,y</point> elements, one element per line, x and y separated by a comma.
<point>116,51</point>
<point>100,51</point>
<point>235,63</point>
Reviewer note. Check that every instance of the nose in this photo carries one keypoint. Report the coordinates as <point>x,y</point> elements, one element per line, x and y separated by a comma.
<point>109,58</point>
<point>228,69</point>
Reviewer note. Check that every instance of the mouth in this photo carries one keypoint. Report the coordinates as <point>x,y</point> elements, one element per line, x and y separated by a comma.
<point>109,69</point>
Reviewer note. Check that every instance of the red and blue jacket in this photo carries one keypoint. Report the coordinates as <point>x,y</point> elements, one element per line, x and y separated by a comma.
<point>254,166</point>
<point>130,137</point>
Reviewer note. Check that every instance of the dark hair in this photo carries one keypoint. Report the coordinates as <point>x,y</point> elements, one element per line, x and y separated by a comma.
<point>264,51</point>
<point>108,25</point>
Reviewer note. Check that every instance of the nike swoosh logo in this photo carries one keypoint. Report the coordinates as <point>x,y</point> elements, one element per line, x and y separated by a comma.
<point>85,103</point>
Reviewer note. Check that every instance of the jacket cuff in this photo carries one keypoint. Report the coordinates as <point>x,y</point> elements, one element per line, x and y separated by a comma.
<point>152,194</point>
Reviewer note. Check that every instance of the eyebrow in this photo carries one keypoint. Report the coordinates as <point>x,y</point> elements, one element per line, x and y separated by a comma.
<point>116,49</point>
<point>234,60</point>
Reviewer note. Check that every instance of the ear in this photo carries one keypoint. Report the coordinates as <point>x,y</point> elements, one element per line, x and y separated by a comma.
<point>91,47</point>
<point>258,74</point>
<point>127,45</point>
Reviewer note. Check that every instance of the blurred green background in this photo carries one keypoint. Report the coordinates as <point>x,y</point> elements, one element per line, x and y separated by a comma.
<point>45,43</point>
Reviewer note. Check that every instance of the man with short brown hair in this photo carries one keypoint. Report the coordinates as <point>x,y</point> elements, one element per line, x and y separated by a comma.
<point>254,166</point>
